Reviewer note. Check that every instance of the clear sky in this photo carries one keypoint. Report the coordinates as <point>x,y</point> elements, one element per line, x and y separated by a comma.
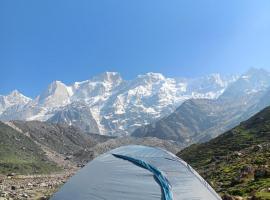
<point>46,40</point>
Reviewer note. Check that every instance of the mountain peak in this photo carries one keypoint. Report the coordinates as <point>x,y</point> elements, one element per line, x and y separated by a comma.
<point>216,77</point>
<point>152,76</point>
<point>57,83</point>
<point>257,76</point>
<point>56,94</point>
<point>255,72</point>
<point>108,77</point>
<point>15,94</point>
<point>13,98</point>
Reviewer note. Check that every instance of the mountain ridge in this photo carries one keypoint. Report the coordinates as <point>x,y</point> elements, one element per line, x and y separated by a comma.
<point>198,120</point>
<point>117,106</point>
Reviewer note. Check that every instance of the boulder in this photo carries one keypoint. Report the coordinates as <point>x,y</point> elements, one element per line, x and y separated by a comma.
<point>262,172</point>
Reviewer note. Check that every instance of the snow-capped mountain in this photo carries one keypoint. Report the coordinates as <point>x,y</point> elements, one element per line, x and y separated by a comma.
<point>56,95</point>
<point>15,98</point>
<point>116,106</point>
<point>251,82</point>
<point>198,120</point>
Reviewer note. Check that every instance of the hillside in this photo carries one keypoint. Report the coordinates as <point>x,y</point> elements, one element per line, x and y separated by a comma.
<point>20,154</point>
<point>237,162</point>
<point>60,138</point>
<point>77,146</point>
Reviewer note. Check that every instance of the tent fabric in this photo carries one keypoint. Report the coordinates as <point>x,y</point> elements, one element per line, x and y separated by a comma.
<point>109,178</point>
<point>163,181</point>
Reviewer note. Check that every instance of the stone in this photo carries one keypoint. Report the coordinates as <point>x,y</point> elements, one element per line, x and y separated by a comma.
<point>11,174</point>
<point>261,173</point>
<point>227,197</point>
<point>25,195</point>
<point>68,158</point>
<point>43,185</point>
<point>29,184</point>
<point>238,198</point>
<point>3,194</point>
<point>257,147</point>
<point>43,198</point>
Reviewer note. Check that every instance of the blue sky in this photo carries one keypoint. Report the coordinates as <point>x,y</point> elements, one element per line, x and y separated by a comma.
<point>46,40</point>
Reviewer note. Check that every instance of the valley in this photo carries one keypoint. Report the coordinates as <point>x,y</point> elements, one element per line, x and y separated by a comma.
<point>46,140</point>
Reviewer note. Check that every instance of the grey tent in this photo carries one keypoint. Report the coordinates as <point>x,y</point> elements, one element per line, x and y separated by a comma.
<point>136,173</point>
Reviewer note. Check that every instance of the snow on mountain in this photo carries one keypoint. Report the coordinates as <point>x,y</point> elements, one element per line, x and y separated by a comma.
<point>253,81</point>
<point>96,90</point>
<point>152,96</point>
<point>77,114</point>
<point>198,120</point>
<point>117,106</point>
<point>56,95</point>
<point>15,98</point>
<point>210,86</point>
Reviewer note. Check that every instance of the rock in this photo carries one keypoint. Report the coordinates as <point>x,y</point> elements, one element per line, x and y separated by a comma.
<point>238,198</point>
<point>247,169</point>
<point>29,184</point>
<point>255,198</point>
<point>43,185</point>
<point>227,197</point>
<point>80,165</point>
<point>68,158</point>
<point>44,198</point>
<point>258,147</point>
<point>3,194</point>
<point>237,154</point>
<point>25,195</point>
<point>236,180</point>
<point>11,174</point>
<point>13,187</point>
<point>261,173</point>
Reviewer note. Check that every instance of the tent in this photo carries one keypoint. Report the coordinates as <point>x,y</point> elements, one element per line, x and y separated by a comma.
<point>136,172</point>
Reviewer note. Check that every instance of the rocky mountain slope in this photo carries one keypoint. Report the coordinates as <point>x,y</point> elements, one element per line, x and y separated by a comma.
<point>76,114</point>
<point>236,162</point>
<point>107,104</point>
<point>70,143</point>
<point>19,153</point>
<point>198,120</point>
<point>61,138</point>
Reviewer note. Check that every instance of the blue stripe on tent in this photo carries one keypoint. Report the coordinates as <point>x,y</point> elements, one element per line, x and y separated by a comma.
<point>163,182</point>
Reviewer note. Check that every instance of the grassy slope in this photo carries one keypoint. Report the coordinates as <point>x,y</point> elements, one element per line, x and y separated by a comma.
<point>20,154</point>
<point>233,162</point>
